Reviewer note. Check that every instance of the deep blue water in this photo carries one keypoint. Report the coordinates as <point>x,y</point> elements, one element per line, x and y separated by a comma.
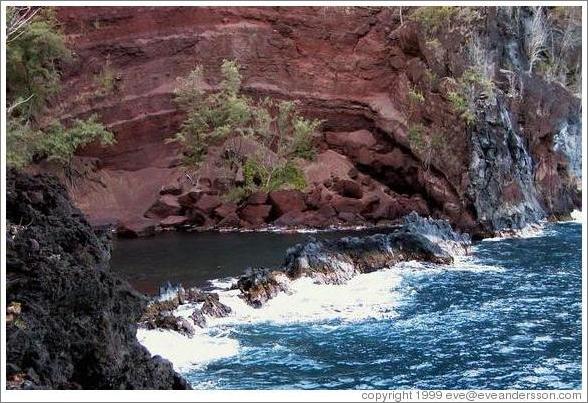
<point>515,326</point>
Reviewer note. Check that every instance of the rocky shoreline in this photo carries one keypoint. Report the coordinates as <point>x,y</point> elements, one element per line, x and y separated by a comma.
<point>71,322</point>
<point>58,279</point>
<point>340,204</point>
<point>323,261</point>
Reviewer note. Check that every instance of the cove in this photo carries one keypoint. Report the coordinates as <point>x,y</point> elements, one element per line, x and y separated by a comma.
<point>506,317</point>
<point>192,259</point>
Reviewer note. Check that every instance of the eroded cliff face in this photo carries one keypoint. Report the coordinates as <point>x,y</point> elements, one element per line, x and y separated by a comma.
<point>352,67</point>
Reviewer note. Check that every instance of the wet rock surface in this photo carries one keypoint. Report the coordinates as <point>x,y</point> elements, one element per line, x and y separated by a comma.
<point>337,261</point>
<point>324,261</point>
<point>439,232</point>
<point>160,314</point>
<point>258,286</point>
<point>72,323</point>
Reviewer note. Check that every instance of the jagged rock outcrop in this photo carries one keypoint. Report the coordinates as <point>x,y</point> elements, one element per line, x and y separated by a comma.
<point>439,232</point>
<point>71,323</point>
<point>352,67</point>
<point>337,261</point>
<point>160,312</point>
<point>324,261</point>
<point>501,173</point>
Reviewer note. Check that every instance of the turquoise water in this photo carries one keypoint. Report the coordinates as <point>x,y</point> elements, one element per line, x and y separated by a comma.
<point>510,319</point>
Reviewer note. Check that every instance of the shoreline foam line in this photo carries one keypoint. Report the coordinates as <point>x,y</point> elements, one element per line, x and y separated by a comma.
<point>374,295</point>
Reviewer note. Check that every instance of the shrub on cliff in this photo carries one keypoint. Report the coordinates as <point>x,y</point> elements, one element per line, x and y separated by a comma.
<point>55,142</point>
<point>59,143</point>
<point>433,18</point>
<point>471,88</point>
<point>425,145</point>
<point>35,49</point>
<point>106,80</point>
<point>280,133</point>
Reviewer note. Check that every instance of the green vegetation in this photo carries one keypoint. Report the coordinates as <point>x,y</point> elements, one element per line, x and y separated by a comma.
<point>433,18</point>
<point>419,141</point>
<point>424,144</point>
<point>415,99</point>
<point>59,143</point>
<point>236,194</point>
<point>462,106</point>
<point>474,77</point>
<point>33,55</point>
<point>106,79</point>
<point>415,135</point>
<point>55,142</point>
<point>35,49</point>
<point>20,141</point>
<point>471,86</point>
<point>415,96</point>
<point>459,103</point>
<point>259,176</point>
<point>279,134</point>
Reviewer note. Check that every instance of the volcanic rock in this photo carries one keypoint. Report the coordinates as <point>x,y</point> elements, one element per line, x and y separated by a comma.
<point>255,214</point>
<point>77,322</point>
<point>285,201</point>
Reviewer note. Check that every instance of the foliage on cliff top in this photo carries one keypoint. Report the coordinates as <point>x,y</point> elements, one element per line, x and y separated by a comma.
<point>35,49</point>
<point>433,18</point>
<point>279,132</point>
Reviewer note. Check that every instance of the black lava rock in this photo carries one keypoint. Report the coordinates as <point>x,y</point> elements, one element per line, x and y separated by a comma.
<point>72,322</point>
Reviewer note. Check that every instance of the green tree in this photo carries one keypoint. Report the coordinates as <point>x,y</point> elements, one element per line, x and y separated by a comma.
<point>33,55</point>
<point>213,117</point>
<point>34,52</point>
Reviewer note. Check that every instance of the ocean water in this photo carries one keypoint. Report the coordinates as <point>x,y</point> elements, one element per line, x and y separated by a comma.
<point>506,317</point>
<point>194,258</point>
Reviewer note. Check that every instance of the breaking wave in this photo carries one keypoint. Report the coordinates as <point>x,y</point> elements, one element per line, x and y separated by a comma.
<point>368,296</point>
<point>506,316</point>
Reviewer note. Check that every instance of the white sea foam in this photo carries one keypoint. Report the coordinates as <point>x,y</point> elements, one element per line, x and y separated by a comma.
<point>187,352</point>
<point>460,263</point>
<point>469,263</point>
<point>303,230</point>
<point>362,297</point>
<point>577,216</point>
<point>365,296</point>
<point>529,231</point>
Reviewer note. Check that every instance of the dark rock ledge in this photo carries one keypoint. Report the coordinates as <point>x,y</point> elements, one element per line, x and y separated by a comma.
<point>326,262</point>
<point>337,261</point>
<point>71,323</point>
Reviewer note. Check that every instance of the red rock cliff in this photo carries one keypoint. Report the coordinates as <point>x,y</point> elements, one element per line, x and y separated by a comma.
<point>352,67</point>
